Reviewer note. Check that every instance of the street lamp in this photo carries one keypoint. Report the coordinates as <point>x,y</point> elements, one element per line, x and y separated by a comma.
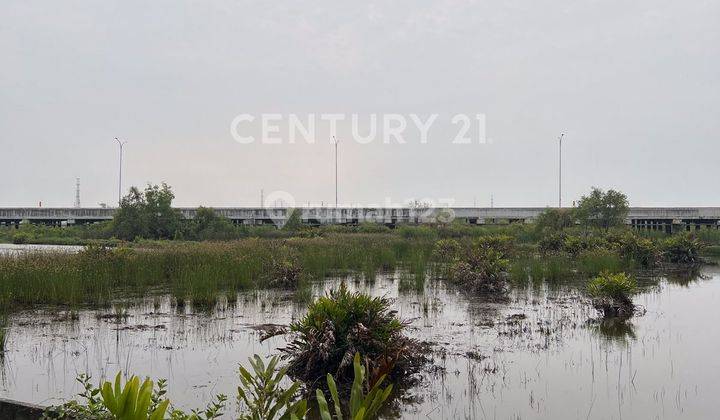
<point>560,139</point>
<point>121,143</point>
<point>336,171</point>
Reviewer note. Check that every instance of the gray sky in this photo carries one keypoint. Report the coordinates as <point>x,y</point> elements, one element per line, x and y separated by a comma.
<point>634,85</point>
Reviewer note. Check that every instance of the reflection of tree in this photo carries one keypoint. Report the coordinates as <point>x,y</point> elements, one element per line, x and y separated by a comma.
<point>618,330</point>
<point>685,275</point>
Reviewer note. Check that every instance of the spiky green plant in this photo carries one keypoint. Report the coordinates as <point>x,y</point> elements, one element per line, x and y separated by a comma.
<point>341,324</point>
<point>362,406</point>
<point>264,397</point>
<point>619,287</point>
<point>612,293</point>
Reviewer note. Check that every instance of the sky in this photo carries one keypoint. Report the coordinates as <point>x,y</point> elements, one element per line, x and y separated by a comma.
<point>633,86</point>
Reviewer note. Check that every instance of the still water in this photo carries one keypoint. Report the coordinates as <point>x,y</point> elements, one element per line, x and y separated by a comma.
<point>541,356</point>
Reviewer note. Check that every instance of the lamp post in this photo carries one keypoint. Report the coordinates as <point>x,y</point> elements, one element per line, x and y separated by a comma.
<point>560,139</point>
<point>121,143</point>
<point>336,171</point>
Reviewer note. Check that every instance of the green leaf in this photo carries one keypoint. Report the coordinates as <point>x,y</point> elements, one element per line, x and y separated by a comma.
<point>335,396</point>
<point>322,405</point>
<point>159,413</point>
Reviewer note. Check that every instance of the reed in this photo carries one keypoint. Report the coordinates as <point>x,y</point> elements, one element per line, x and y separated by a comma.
<point>197,272</point>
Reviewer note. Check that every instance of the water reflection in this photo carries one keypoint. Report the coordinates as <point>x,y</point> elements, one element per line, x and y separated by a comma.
<point>534,356</point>
<point>619,330</point>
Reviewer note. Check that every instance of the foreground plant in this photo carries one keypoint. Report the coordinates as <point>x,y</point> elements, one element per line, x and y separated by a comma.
<point>131,401</point>
<point>362,406</point>
<point>263,395</point>
<point>343,323</point>
<point>612,294</point>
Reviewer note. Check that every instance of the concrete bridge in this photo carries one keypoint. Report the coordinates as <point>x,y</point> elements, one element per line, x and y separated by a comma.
<point>654,218</point>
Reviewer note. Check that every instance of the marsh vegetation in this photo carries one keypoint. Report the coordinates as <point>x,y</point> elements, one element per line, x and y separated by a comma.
<point>326,300</point>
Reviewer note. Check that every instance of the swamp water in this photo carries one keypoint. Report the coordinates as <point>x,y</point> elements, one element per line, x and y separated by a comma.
<point>534,357</point>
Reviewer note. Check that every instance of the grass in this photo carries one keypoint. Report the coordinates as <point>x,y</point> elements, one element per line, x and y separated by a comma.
<point>202,273</point>
<point>197,272</point>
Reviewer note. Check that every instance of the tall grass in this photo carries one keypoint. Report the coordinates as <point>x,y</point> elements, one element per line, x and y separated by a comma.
<point>199,272</point>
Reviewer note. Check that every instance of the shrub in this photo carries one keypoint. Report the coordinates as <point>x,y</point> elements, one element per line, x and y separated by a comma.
<point>446,250</point>
<point>341,324</point>
<point>551,243</point>
<point>284,267</point>
<point>555,219</point>
<point>20,238</point>
<point>640,250</point>
<point>504,244</point>
<point>682,249</point>
<point>575,245</point>
<point>482,270</point>
<point>612,293</point>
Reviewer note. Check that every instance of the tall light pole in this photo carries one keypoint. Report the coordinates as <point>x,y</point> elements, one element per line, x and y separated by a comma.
<point>560,170</point>
<point>121,143</point>
<point>336,171</point>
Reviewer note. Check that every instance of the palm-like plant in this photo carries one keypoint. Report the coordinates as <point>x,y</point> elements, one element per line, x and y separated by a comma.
<point>362,406</point>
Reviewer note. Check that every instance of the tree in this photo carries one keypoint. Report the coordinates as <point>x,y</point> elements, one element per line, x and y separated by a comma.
<point>209,225</point>
<point>294,220</point>
<point>555,219</point>
<point>603,209</point>
<point>163,220</point>
<point>129,221</point>
<point>147,214</point>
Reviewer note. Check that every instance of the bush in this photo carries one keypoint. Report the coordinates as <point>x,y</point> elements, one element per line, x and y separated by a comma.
<point>575,245</point>
<point>20,238</point>
<point>682,249</point>
<point>504,244</point>
<point>446,250</point>
<point>341,324</point>
<point>284,267</point>
<point>631,247</point>
<point>552,243</point>
<point>482,270</point>
<point>612,293</point>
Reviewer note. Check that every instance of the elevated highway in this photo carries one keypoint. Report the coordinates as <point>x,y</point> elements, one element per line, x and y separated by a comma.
<point>655,218</point>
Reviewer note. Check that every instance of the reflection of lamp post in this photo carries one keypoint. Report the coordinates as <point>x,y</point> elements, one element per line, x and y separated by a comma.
<point>121,143</point>
<point>560,170</point>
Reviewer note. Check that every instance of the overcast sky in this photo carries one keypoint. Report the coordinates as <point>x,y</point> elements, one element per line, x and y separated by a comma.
<point>633,85</point>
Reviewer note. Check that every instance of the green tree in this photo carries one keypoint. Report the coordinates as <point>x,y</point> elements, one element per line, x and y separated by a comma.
<point>603,209</point>
<point>294,220</point>
<point>209,225</point>
<point>129,221</point>
<point>147,214</point>
<point>163,220</point>
<point>555,219</point>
